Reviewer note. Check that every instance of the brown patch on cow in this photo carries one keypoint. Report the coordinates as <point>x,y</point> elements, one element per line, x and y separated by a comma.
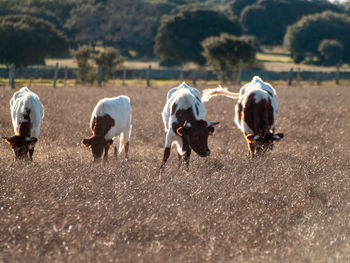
<point>258,116</point>
<point>25,126</point>
<point>173,109</point>
<point>97,142</point>
<point>101,125</point>
<point>185,115</point>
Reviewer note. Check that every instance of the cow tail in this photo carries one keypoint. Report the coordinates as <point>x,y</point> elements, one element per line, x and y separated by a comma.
<point>209,93</point>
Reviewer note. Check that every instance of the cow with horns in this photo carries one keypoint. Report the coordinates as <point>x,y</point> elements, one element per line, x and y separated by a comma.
<point>183,116</point>
<point>255,113</point>
<point>27,114</point>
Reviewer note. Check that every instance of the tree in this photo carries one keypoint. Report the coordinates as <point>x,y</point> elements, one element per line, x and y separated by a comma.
<point>179,36</point>
<point>225,52</point>
<point>268,19</point>
<point>331,52</point>
<point>237,6</point>
<point>109,60</point>
<point>304,37</point>
<point>27,40</point>
<point>86,23</point>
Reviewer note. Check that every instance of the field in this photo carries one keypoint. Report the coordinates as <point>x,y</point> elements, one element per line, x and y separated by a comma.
<point>291,205</point>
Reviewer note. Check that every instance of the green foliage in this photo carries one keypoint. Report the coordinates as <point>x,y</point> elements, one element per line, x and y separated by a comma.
<point>27,40</point>
<point>86,72</point>
<point>109,60</point>
<point>331,51</point>
<point>179,36</point>
<point>304,37</point>
<point>225,52</point>
<point>268,19</point>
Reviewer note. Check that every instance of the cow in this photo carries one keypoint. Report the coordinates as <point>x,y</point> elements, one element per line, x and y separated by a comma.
<point>255,113</point>
<point>183,117</point>
<point>27,114</point>
<point>110,118</point>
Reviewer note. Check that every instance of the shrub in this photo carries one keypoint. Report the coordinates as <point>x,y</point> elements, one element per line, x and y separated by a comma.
<point>86,72</point>
<point>109,60</point>
<point>331,51</point>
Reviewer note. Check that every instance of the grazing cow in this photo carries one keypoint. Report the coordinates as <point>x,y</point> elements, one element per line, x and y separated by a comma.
<point>255,113</point>
<point>27,113</point>
<point>183,117</point>
<point>111,118</point>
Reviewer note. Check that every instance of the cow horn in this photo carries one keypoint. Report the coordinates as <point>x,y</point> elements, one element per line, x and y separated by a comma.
<point>212,123</point>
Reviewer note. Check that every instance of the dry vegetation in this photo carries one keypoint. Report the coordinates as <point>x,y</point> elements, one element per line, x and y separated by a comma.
<point>292,205</point>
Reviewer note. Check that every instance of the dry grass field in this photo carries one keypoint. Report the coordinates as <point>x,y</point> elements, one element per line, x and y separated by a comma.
<point>291,205</point>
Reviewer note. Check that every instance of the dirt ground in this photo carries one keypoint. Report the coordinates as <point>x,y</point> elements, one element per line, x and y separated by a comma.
<point>291,205</point>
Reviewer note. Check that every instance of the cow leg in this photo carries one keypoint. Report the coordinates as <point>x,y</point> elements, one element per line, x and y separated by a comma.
<point>251,148</point>
<point>115,152</point>
<point>31,151</point>
<point>186,157</point>
<point>180,159</point>
<point>126,148</point>
<point>165,157</point>
<point>166,154</point>
<point>105,157</point>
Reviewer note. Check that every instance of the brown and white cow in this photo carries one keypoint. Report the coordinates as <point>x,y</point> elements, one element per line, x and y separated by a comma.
<point>110,118</point>
<point>27,114</point>
<point>255,113</point>
<point>183,116</point>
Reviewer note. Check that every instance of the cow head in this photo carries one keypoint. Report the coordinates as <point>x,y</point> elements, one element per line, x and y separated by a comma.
<point>97,145</point>
<point>265,142</point>
<point>20,145</point>
<point>196,133</point>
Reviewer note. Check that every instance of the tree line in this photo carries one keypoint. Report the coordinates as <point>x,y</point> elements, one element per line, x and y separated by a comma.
<point>177,31</point>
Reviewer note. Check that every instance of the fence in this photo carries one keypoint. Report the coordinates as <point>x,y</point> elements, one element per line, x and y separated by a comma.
<point>169,74</point>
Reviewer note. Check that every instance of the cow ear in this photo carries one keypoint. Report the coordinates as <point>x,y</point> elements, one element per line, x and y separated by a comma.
<point>211,130</point>
<point>212,123</point>
<point>8,139</point>
<point>31,139</point>
<point>278,136</point>
<point>86,142</point>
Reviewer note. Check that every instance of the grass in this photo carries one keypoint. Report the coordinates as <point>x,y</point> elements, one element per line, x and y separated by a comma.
<point>292,205</point>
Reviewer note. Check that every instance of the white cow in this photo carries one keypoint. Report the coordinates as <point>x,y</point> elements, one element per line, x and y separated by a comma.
<point>27,114</point>
<point>255,113</point>
<point>110,118</point>
<point>183,116</point>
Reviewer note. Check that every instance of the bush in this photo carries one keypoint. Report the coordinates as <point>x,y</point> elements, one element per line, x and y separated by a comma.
<point>109,60</point>
<point>86,72</point>
<point>331,52</point>
<point>225,52</point>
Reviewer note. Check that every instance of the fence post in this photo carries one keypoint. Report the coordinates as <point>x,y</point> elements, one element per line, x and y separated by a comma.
<point>148,76</point>
<point>239,73</point>
<point>194,79</point>
<point>55,74</point>
<point>65,77</point>
<point>124,76</point>
<point>290,77</point>
<point>99,76</point>
<point>337,75</point>
<point>181,75</point>
<point>12,70</point>
<point>298,76</point>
